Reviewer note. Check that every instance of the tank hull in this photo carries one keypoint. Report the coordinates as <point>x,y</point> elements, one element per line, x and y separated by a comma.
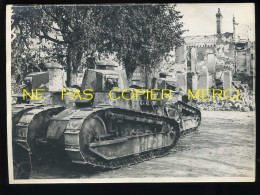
<point>104,137</point>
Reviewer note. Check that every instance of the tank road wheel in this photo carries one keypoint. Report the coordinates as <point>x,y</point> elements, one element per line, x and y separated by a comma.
<point>91,130</point>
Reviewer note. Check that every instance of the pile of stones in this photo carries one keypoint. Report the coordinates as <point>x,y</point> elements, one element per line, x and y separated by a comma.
<point>245,103</point>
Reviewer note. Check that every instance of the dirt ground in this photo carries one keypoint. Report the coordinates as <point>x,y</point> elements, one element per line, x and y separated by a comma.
<point>223,146</point>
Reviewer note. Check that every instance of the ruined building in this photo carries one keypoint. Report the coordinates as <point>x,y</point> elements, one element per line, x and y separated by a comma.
<point>204,60</point>
<point>224,46</point>
<point>210,56</point>
<point>220,44</point>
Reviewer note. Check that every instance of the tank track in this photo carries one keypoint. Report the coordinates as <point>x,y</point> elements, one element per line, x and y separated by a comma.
<point>190,110</point>
<point>26,119</point>
<point>122,161</point>
<point>20,140</point>
<point>131,159</point>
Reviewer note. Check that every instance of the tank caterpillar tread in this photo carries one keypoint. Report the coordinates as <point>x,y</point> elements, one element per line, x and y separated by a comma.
<point>76,126</point>
<point>31,125</point>
<point>75,119</point>
<point>19,109</point>
<point>103,151</point>
<point>189,117</point>
<point>32,113</point>
<point>99,152</point>
<point>22,107</point>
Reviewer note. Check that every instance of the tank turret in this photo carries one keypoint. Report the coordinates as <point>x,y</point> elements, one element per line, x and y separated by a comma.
<point>56,77</point>
<point>106,65</point>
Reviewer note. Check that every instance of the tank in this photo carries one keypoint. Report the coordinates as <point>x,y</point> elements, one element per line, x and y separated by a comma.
<point>110,130</point>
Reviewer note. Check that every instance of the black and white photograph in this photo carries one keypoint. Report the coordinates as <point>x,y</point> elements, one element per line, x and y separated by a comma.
<point>130,93</point>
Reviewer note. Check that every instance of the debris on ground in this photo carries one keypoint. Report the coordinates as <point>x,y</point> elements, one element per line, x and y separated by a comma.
<point>245,103</point>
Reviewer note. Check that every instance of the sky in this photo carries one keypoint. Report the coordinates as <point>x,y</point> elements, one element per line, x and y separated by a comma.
<point>200,19</point>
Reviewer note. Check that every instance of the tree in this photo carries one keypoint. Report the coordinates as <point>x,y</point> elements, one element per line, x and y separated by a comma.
<point>68,27</point>
<point>139,35</point>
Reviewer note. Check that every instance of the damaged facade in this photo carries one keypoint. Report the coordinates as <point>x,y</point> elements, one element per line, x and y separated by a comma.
<point>213,61</point>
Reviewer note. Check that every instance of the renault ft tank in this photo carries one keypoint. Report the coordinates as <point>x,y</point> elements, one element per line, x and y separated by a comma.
<point>187,116</point>
<point>109,130</point>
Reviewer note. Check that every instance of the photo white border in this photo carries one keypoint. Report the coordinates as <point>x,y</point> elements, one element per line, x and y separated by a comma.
<point>83,180</point>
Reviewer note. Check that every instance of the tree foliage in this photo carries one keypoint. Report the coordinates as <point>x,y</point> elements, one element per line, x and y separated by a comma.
<point>138,35</point>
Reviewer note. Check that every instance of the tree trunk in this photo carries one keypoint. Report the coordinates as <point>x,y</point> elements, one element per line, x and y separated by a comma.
<point>146,78</point>
<point>129,67</point>
<point>77,60</point>
<point>73,62</point>
<point>68,68</point>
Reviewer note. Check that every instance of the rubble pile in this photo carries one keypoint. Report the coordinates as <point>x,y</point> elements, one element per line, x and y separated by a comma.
<point>245,103</point>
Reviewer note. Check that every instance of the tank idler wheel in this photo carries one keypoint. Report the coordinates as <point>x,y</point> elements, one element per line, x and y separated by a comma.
<point>92,129</point>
